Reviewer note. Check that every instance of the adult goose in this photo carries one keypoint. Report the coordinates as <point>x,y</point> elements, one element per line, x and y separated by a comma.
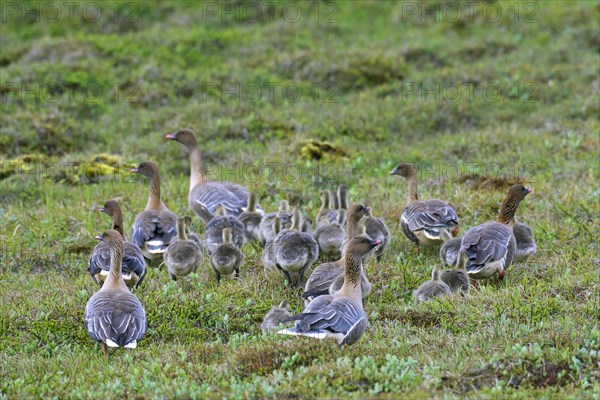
<point>133,263</point>
<point>204,195</point>
<point>156,226</point>
<point>325,274</point>
<point>340,316</point>
<point>183,256</point>
<point>424,222</point>
<point>113,315</point>
<point>433,288</point>
<point>295,251</point>
<point>489,248</point>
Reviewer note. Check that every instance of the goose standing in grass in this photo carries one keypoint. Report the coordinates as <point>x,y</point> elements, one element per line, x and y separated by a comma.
<point>133,263</point>
<point>204,195</point>
<point>340,199</point>
<point>251,220</point>
<point>156,226</point>
<point>526,246</point>
<point>324,208</point>
<point>325,274</point>
<point>457,280</point>
<point>267,256</point>
<point>340,316</point>
<point>227,257</point>
<point>331,236</point>
<point>295,251</point>
<point>113,315</point>
<point>425,222</point>
<point>183,256</point>
<point>489,248</point>
<point>266,225</point>
<point>275,317</point>
<point>213,232</point>
<point>433,288</point>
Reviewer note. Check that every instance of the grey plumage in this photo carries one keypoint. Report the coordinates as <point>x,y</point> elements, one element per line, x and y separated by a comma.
<point>113,315</point>
<point>183,256</point>
<point>331,236</point>
<point>227,257</point>
<point>213,232</point>
<point>267,256</point>
<point>266,224</point>
<point>251,220</point>
<point>276,317</point>
<point>433,288</point>
<point>525,240</point>
<point>449,251</point>
<point>457,280</point>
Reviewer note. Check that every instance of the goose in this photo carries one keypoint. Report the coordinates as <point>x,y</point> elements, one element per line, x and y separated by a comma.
<point>156,226</point>
<point>295,251</point>
<point>213,232</point>
<point>324,208</point>
<point>457,280</point>
<point>227,257</point>
<point>191,235</point>
<point>449,251</point>
<point>113,315</point>
<point>331,236</point>
<point>133,263</point>
<point>526,246</point>
<point>275,317</point>
<point>325,274</point>
<point>340,316</point>
<point>340,200</point>
<point>424,222</point>
<point>377,229</point>
<point>433,288</point>
<point>266,225</point>
<point>183,255</point>
<point>204,195</point>
<point>251,220</point>
<point>489,248</point>
<point>267,256</point>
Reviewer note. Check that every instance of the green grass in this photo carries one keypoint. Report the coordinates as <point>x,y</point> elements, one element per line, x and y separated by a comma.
<point>534,335</point>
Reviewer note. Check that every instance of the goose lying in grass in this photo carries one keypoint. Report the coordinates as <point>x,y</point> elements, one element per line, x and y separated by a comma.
<point>433,288</point>
<point>340,316</point>
<point>133,263</point>
<point>489,248</point>
<point>425,222</point>
<point>156,226</point>
<point>227,257</point>
<point>205,195</point>
<point>183,256</point>
<point>457,280</point>
<point>276,317</point>
<point>113,315</point>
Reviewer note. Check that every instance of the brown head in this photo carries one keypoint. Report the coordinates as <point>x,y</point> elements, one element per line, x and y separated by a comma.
<point>509,206</point>
<point>405,170</point>
<point>324,196</point>
<point>220,210</point>
<point>435,274</point>
<point>360,246</point>
<point>251,207</point>
<point>113,210</point>
<point>285,305</point>
<point>148,168</point>
<point>185,136</point>
<point>181,224</point>
<point>356,212</point>
<point>284,205</point>
<point>113,239</point>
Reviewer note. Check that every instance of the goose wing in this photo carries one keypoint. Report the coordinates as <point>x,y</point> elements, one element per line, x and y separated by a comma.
<point>153,226</point>
<point>336,314</point>
<point>429,214</point>
<point>485,243</point>
<point>100,259</point>
<point>232,196</point>
<point>115,317</point>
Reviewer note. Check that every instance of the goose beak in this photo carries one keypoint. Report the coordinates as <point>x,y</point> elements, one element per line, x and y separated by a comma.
<point>99,237</point>
<point>529,190</point>
<point>134,170</point>
<point>375,242</point>
<point>367,209</point>
<point>394,171</point>
<point>102,209</point>
<point>170,136</point>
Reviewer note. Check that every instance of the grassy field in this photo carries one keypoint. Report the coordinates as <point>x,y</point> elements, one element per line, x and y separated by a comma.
<point>290,99</point>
